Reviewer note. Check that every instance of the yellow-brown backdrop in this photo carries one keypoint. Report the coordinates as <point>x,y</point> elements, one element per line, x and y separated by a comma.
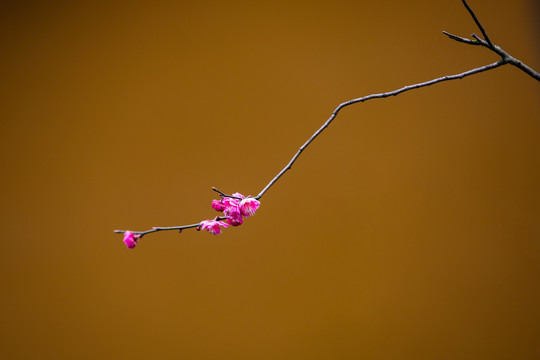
<point>409,230</point>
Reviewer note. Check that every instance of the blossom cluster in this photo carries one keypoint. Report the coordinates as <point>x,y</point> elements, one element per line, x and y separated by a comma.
<point>234,208</point>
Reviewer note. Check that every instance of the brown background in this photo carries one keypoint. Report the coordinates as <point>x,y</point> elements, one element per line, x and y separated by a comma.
<point>409,230</point>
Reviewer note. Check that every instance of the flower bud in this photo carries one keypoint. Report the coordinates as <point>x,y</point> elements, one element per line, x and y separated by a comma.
<point>130,239</point>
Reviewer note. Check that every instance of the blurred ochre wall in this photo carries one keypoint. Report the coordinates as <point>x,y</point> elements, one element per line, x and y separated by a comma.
<point>409,230</point>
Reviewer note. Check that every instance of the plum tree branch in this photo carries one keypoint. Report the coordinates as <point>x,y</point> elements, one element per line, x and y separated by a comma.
<point>505,58</point>
<point>369,97</point>
<point>478,23</point>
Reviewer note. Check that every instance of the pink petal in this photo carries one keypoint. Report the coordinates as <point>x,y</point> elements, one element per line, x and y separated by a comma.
<point>248,206</point>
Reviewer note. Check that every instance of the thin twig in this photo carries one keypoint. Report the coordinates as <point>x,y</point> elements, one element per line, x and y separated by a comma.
<point>461,39</point>
<point>161,228</point>
<point>369,97</point>
<point>225,195</point>
<point>490,44</point>
<point>480,40</point>
<point>156,229</point>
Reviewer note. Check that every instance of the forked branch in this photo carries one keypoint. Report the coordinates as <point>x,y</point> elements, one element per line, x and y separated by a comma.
<point>505,59</point>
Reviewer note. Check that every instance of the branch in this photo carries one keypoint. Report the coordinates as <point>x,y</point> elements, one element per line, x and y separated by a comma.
<point>505,57</point>
<point>478,24</point>
<point>462,39</point>
<point>159,228</point>
<point>236,206</point>
<point>156,228</point>
<point>369,97</point>
<point>225,195</point>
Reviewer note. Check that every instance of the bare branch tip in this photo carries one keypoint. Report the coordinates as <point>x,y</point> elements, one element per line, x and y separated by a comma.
<point>460,39</point>
<point>471,12</point>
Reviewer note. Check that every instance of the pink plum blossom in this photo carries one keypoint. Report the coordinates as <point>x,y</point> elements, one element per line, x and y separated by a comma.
<point>213,226</point>
<point>234,217</point>
<point>248,206</point>
<point>235,207</point>
<point>130,239</point>
<point>218,205</point>
<point>229,202</point>
<point>237,194</point>
<point>232,212</point>
<point>231,208</point>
